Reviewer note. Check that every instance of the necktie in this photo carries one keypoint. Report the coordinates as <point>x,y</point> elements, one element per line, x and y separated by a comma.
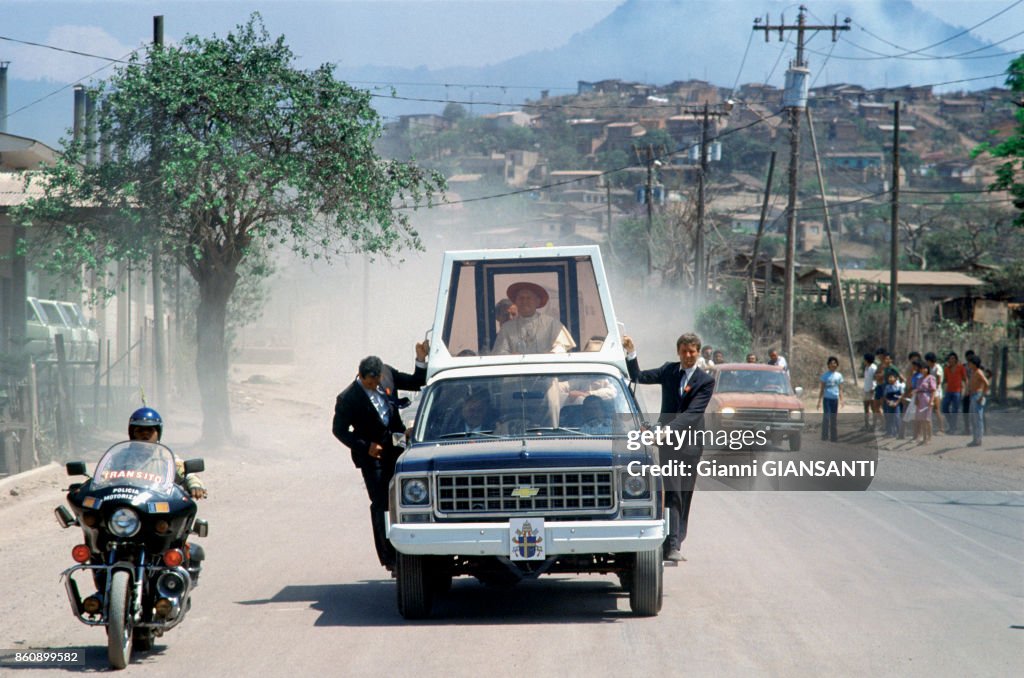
<point>682,384</point>
<point>380,402</point>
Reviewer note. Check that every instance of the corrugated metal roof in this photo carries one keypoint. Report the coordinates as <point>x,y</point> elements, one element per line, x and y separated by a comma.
<point>12,189</point>
<point>923,278</point>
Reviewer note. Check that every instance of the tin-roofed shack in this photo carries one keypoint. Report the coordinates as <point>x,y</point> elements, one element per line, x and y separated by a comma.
<point>950,295</point>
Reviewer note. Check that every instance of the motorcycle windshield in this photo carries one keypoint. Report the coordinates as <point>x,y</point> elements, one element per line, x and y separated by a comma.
<point>136,463</point>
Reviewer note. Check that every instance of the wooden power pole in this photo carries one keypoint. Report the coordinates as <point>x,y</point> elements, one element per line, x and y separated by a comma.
<point>795,100</point>
<point>159,364</point>
<point>894,229</point>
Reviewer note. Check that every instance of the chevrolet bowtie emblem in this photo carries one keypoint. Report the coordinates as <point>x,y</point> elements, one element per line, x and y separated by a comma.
<point>525,492</point>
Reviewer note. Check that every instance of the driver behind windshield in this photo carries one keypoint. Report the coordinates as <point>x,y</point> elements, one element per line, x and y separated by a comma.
<point>596,417</point>
<point>475,415</point>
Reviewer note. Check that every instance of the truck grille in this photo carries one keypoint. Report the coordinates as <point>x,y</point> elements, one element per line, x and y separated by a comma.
<point>505,493</point>
<point>762,415</point>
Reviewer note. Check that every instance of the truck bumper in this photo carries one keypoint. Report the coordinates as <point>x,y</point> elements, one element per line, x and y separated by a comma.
<point>560,537</point>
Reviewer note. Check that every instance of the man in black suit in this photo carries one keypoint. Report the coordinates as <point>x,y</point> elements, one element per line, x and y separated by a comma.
<point>366,420</point>
<point>685,393</point>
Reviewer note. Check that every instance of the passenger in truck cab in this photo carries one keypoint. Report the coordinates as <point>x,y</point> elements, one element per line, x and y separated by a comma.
<point>531,331</point>
<point>475,414</point>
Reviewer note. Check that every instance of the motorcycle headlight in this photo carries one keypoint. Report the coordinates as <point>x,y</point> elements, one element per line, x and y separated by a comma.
<point>634,487</point>
<point>415,492</point>
<point>124,522</point>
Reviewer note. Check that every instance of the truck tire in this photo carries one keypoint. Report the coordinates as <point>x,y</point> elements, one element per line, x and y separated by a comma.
<point>794,442</point>
<point>414,587</point>
<point>646,592</point>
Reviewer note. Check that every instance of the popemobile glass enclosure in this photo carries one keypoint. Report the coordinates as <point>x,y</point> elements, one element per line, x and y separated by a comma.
<point>574,300</point>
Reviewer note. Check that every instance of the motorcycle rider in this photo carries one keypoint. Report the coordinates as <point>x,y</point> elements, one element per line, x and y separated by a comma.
<point>146,425</point>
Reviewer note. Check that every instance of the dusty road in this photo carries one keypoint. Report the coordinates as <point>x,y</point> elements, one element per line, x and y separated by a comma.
<point>787,583</point>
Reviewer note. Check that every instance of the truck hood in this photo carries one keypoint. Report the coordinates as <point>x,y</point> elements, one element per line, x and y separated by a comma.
<point>517,453</point>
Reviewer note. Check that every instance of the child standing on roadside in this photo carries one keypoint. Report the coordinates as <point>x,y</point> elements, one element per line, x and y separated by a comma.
<point>923,403</point>
<point>831,395</point>
<point>891,404</point>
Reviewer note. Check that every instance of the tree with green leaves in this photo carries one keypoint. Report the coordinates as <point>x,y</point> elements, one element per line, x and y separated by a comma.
<point>1010,174</point>
<point>217,146</point>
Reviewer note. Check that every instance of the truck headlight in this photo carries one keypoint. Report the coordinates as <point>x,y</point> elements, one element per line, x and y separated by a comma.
<point>415,492</point>
<point>796,415</point>
<point>634,487</point>
<point>124,522</point>
<point>728,411</point>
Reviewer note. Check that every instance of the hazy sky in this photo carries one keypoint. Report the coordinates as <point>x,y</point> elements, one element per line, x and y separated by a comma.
<point>408,33</point>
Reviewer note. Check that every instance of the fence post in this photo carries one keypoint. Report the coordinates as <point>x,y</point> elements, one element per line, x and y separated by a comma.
<point>63,434</point>
<point>29,409</point>
<point>106,418</point>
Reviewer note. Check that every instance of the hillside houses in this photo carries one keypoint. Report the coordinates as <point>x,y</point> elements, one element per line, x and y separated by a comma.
<point>853,124</point>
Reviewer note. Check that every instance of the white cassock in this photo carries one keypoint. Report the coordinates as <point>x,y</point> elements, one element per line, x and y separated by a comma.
<point>536,334</point>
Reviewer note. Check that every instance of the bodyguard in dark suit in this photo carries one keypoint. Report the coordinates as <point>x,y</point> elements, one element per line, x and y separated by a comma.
<point>685,393</point>
<point>366,417</point>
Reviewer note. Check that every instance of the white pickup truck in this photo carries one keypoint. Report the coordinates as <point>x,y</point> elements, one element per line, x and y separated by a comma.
<point>517,464</point>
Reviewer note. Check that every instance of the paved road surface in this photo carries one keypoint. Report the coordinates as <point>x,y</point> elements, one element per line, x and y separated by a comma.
<point>784,583</point>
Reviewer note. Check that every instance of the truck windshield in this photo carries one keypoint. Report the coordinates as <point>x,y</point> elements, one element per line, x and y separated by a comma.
<point>526,405</point>
<point>741,381</point>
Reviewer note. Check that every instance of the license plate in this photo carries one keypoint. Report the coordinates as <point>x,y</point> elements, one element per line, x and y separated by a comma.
<point>526,539</point>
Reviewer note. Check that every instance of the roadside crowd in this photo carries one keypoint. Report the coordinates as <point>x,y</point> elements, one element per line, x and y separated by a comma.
<point>923,397</point>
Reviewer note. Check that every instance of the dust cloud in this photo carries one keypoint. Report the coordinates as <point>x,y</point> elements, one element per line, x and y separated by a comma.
<point>332,314</point>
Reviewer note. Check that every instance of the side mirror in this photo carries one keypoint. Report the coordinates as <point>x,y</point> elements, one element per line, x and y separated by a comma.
<point>76,468</point>
<point>200,527</point>
<point>64,517</point>
<point>194,466</point>
<point>799,391</point>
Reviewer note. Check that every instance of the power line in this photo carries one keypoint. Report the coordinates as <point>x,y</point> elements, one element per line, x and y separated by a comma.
<point>743,61</point>
<point>68,51</point>
<point>959,34</point>
<point>687,108</point>
<point>948,57</point>
<point>72,84</point>
<point>460,84</point>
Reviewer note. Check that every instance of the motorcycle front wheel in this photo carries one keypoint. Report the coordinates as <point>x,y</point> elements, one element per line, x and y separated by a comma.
<point>119,620</point>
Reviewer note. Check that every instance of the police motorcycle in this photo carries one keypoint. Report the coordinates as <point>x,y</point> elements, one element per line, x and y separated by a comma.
<point>136,521</point>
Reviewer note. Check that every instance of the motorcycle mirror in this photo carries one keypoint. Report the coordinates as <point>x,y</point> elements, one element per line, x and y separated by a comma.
<point>76,468</point>
<point>194,466</point>
<point>201,527</point>
<point>64,517</point>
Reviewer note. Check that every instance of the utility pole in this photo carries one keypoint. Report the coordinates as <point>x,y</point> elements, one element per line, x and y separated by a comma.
<point>699,275</point>
<point>649,200</point>
<point>752,307</point>
<point>794,99</point>
<point>608,205</point>
<point>894,226</point>
<point>836,280</point>
<point>158,295</point>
